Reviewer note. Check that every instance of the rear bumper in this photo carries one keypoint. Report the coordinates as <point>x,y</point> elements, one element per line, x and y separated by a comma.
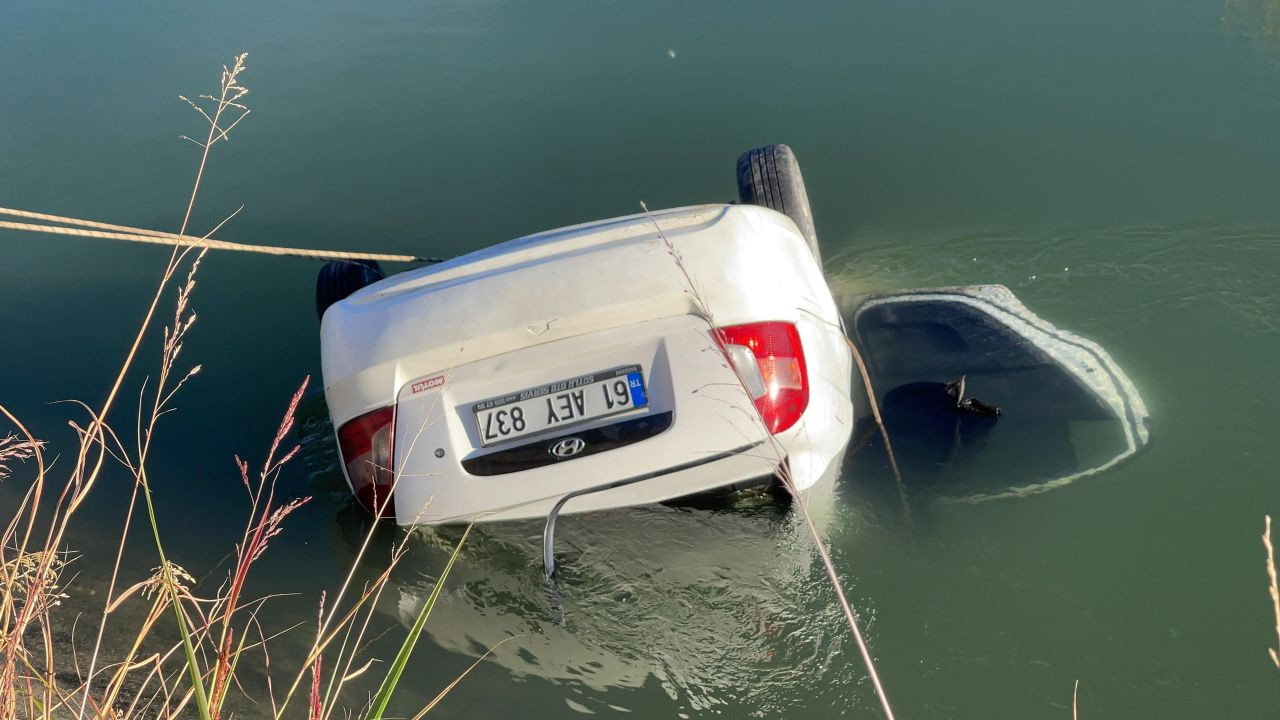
<point>718,470</point>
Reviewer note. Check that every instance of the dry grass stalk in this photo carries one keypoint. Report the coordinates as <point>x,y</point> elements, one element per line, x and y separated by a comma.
<point>14,449</point>
<point>1272,588</point>
<point>192,658</point>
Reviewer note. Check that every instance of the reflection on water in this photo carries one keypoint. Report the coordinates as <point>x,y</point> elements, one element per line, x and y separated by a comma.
<point>714,605</point>
<point>717,602</point>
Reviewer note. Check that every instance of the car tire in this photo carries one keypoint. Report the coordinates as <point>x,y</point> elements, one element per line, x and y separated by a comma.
<point>340,278</point>
<point>770,177</point>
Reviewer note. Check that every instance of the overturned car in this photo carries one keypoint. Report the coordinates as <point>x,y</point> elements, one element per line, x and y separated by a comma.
<point>646,358</point>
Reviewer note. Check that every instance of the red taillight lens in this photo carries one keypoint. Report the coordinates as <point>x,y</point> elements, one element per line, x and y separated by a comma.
<point>778,382</point>
<point>367,443</point>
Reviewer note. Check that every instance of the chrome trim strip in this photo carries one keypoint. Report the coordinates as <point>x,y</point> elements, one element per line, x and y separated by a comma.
<point>548,533</point>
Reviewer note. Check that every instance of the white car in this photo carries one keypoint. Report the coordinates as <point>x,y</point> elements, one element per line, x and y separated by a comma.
<point>617,363</point>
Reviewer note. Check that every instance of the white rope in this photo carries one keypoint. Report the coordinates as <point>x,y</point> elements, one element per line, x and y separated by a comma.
<point>784,473</point>
<point>107,231</point>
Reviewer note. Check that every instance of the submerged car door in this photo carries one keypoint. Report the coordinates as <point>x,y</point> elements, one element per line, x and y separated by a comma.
<point>983,399</point>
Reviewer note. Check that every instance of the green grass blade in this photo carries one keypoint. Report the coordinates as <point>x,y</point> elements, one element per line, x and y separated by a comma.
<point>389,682</point>
<point>188,651</point>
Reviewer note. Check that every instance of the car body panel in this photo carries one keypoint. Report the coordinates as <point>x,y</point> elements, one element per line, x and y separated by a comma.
<point>576,300</point>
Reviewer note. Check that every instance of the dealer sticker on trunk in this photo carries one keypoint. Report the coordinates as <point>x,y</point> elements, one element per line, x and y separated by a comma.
<point>560,404</point>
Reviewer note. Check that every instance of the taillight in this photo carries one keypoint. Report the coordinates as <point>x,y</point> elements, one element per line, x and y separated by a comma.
<point>770,361</point>
<point>367,443</point>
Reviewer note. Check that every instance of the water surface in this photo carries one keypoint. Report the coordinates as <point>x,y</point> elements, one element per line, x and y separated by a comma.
<point>1116,163</point>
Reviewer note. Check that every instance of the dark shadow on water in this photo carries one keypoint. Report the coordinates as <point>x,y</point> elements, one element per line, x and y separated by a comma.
<point>941,362</point>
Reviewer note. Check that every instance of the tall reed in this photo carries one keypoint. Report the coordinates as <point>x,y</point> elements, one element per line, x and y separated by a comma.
<point>184,650</point>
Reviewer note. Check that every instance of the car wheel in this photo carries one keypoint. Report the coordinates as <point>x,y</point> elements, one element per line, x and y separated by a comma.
<point>770,177</point>
<point>340,278</point>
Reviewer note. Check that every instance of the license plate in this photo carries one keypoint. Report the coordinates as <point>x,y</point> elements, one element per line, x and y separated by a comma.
<point>560,404</point>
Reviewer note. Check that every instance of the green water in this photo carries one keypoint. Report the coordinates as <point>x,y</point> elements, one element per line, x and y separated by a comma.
<point>1115,162</point>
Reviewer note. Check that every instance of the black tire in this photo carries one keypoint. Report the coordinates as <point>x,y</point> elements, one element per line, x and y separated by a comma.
<point>340,278</point>
<point>770,177</point>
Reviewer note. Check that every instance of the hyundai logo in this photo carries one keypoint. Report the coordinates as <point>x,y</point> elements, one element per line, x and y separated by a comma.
<point>566,448</point>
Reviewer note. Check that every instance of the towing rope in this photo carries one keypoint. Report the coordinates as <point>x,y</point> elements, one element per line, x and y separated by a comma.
<point>108,231</point>
<point>784,475</point>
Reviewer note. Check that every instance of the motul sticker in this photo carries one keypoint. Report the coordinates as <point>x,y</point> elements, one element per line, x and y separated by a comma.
<point>428,384</point>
